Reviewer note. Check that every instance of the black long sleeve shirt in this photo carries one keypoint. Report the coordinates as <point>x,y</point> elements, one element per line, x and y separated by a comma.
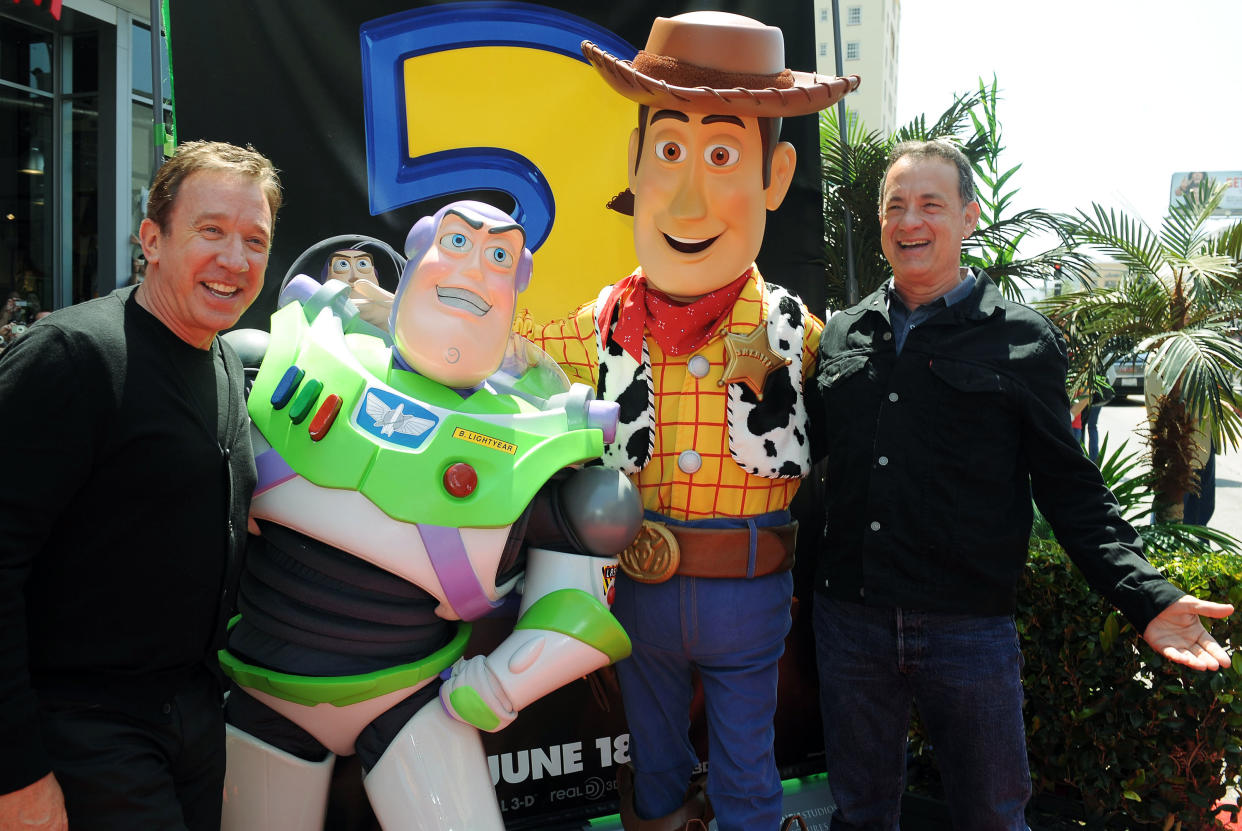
<point>122,515</point>
<point>934,455</point>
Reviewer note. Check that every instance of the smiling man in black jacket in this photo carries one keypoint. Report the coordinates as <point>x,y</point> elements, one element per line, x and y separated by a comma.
<point>121,546</point>
<point>942,410</point>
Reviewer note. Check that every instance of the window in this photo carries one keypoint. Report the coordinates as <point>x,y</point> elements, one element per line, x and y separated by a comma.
<point>27,56</point>
<point>59,232</point>
<point>28,168</point>
<point>851,51</point>
<point>823,50</point>
<point>140,61</point>
<point>142,102</point>
<point>84,182</point>
<point>823,15</point>
<point>853,15</point>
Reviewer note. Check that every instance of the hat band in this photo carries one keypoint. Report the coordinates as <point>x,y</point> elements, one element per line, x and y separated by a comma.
<point>679,74</point>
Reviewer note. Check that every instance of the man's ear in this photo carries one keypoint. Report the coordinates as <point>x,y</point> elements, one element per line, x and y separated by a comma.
<point>149,237</point>
<point>972,218</point>
<point>632,157</point>
<point>784,159</point>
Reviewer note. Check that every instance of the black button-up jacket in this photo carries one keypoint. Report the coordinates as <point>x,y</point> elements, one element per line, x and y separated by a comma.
<point>934,454</point>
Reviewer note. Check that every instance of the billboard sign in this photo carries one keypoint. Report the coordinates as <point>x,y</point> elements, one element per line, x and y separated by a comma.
<point>1183,182</point>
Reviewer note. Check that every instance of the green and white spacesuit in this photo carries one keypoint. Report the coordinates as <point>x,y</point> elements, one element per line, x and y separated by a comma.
<point>394,509</point>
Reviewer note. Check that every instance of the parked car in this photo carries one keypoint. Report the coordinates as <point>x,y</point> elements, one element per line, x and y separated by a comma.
<point>1129,380</point>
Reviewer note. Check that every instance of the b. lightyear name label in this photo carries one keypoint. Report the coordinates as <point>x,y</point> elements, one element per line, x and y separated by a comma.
<point>484,441</point>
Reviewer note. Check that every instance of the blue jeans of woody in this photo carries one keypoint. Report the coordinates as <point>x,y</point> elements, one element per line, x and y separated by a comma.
<point>733,632</point>
<point>963,672</point>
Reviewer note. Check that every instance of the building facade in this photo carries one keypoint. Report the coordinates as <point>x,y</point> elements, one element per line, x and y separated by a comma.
<point>869,40</point>
<point>1107,274</point>
<point>76,148</point>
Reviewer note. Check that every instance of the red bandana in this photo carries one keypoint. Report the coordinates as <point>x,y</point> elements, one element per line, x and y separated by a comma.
<point>678,327</point>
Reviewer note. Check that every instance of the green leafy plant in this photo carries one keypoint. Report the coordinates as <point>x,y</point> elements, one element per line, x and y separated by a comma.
<point>994,245</point>
<point>1127,475</point>
<point>1111,725</point>
<point>1180,301</point>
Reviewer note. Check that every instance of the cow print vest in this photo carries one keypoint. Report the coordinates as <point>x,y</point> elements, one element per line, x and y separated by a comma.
<point>767,438</point>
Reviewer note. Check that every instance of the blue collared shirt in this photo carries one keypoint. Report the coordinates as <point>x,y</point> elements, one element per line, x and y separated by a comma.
<point>904,320</point>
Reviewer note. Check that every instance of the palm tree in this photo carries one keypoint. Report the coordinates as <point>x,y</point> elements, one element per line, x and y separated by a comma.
<point>853,174</point>
<point>1181,302</point>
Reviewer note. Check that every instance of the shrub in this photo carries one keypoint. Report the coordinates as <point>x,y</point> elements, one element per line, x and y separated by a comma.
<point>1111,724</point>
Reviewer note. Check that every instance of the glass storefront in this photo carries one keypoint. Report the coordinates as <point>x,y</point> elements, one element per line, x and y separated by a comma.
<point>77,152</point>
<point>26,178</point>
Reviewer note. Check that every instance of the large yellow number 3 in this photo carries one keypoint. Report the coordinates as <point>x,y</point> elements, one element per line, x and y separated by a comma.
<point>497,96</point>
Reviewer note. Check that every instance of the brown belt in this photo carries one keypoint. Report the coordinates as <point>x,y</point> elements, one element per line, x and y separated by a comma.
<point>660,551</point>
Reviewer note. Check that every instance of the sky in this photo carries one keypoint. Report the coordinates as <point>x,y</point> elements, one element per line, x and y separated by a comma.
<point>1102,100</point>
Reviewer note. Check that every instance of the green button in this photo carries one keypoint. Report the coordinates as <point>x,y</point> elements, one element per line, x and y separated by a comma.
<point>305,400</point>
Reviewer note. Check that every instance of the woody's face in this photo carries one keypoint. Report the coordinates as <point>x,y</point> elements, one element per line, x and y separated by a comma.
<point>700,206</point>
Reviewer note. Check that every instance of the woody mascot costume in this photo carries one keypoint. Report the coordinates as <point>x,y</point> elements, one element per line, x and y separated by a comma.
<point>707,361</point>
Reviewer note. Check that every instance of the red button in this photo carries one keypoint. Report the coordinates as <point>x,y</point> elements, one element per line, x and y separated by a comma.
<point>322,422</point>
<point>460,480</point>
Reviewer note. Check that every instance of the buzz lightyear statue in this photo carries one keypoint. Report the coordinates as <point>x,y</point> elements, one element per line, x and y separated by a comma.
<point>406,487</point>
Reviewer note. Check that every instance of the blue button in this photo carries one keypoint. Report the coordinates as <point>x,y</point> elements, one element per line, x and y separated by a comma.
<point>287,386</point>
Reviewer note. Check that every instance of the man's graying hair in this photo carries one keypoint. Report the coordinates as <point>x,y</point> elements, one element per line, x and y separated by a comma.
<point>193,156</point>
<point>934,149</point>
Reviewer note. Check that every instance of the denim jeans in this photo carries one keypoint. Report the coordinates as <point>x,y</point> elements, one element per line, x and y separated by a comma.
<point>1091,427</point>
<point>733,631</point>
<point>963,672</point>
<point>1197,509</point>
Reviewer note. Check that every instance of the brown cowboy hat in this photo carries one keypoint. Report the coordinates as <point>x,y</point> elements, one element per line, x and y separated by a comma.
<point>720,63</point>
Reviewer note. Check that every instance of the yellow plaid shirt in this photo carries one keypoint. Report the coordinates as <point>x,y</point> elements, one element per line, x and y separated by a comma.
<point>690,412</point>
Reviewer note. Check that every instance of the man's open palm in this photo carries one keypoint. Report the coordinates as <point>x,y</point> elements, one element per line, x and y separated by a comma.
<point>1178,634</point>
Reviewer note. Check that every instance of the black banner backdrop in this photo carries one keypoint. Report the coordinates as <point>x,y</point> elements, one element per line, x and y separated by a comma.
<point>287,77</point>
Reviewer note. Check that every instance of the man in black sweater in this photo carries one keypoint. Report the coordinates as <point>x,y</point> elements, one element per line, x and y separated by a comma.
<point>942,409</point>
<point>120,548</point>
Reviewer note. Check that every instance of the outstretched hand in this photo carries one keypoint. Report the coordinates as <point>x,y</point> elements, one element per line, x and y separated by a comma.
<point>1178,634</point>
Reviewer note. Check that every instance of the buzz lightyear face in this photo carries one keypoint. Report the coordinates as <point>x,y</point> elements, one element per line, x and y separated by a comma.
<point>454,310</point>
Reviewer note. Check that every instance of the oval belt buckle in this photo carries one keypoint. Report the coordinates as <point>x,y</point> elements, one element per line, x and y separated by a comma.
<point>653,556</point>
